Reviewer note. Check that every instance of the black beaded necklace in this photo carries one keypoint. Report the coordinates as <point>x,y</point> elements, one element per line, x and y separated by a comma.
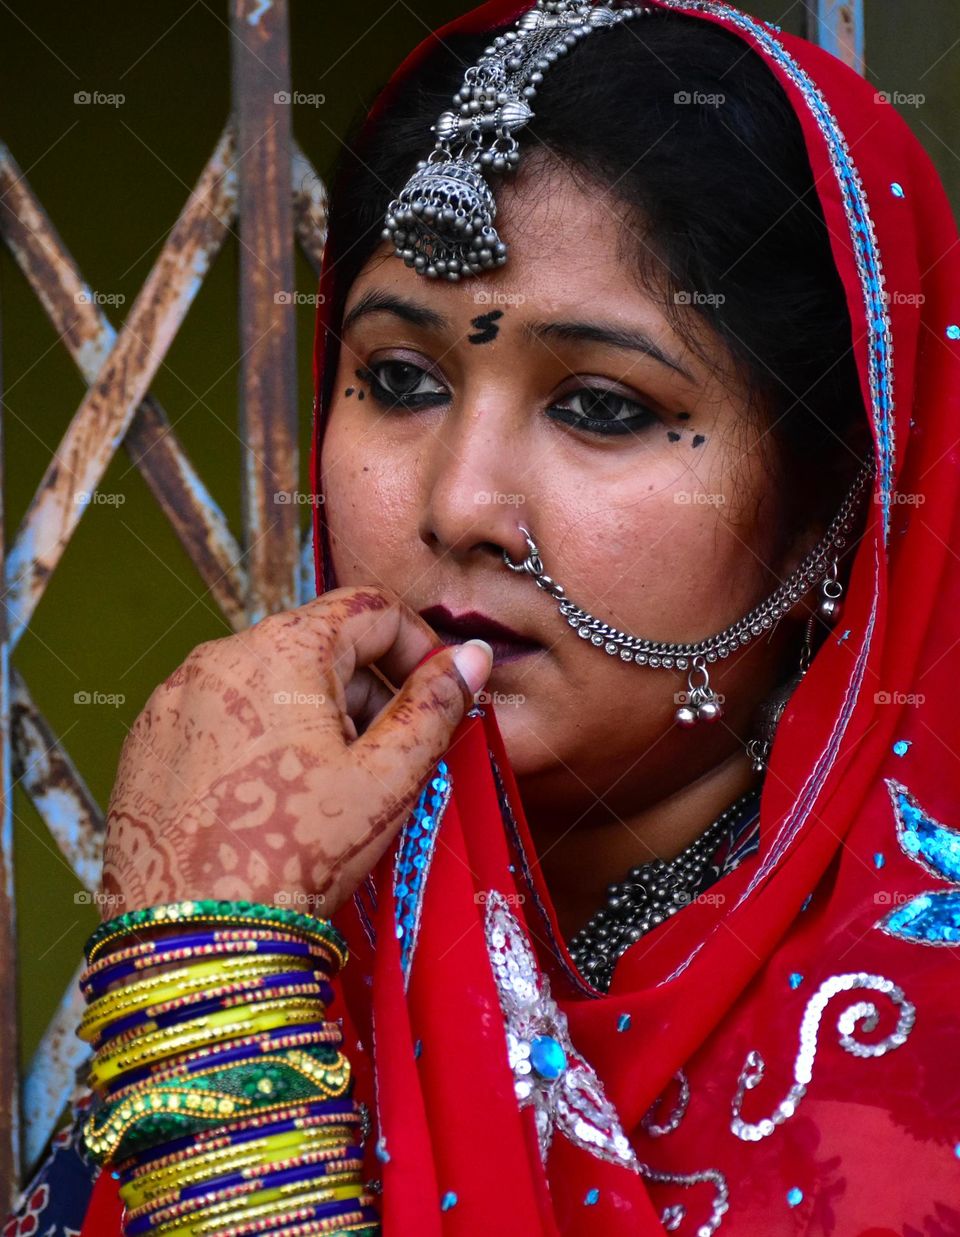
<point>652,892</point>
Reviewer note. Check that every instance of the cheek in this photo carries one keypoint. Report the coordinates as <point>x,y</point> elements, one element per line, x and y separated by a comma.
<point>368,505</point>
<point>672,558</point>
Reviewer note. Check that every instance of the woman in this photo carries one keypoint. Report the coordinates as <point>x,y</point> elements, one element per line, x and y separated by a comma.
<point>659,385</point>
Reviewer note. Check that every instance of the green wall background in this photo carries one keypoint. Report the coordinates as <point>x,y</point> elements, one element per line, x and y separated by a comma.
<point>125,606</point>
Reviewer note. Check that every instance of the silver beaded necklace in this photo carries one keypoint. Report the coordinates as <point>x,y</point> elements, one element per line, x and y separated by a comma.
<point>650,894</point>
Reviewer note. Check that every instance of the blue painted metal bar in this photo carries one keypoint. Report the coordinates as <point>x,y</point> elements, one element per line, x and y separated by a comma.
<point>837,25</point>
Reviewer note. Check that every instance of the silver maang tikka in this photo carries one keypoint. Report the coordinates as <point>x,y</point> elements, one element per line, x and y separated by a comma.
<point>441,223</point>
<point>700,703</point>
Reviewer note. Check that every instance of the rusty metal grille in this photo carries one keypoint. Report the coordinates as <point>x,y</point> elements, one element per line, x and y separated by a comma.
<point>258,181</point>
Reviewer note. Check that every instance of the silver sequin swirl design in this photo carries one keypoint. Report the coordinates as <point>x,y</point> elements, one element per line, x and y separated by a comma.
<point>677,1113</point>
<point>753,1068</point>
<point>673,1215</point>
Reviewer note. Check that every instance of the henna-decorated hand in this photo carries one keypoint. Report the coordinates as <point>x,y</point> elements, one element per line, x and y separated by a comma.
<point>275,765</point>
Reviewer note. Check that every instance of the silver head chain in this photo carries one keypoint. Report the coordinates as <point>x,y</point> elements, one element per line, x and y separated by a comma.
<point>442,222</point>
<point>702,703</point>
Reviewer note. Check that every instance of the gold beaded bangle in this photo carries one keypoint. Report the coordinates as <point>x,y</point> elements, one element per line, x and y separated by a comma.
<point>237,940</point>
<point>347,1222</point>
<point>144,993</point>
<point>269,1205</point>
<point>336,1162</point>
<point>229,1159</point>
<point>208,1141</point>
<point>210,1029</point>
<point>169,1188</point>
<point>209,911</point>
<point>330,1034</point>
<point>230,996</point>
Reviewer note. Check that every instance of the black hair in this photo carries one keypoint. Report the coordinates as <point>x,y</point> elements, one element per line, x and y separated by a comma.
<point>694,135</point>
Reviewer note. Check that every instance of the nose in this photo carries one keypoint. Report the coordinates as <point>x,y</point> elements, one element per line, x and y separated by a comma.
<point>475,503</point>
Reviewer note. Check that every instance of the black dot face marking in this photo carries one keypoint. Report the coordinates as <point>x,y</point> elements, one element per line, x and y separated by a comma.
<point>348,392</point>
<point>486,327</point>
<point>698,440</point>
<point>673,435</point>
<point>365,376</point>
<point>683,416</point>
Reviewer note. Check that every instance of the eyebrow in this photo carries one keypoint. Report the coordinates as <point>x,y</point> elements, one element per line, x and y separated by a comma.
<point>417,314</point>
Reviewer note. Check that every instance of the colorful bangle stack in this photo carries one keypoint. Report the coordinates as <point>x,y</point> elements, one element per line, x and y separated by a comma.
<point>223,1102</point>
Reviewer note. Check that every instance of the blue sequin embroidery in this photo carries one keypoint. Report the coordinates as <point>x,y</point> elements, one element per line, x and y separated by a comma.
<point>930,918</point>
<point>414,853</point>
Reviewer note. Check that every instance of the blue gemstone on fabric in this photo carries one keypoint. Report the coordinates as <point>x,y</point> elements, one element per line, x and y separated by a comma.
<point>795,1196</point>
<point>591,1197</point>
<point>879,859</point>
<point>901,747</point>
<point>896,189</point>
<point>956,1151</point>
<point>841,638</point>
<point>806,901</point>
<point>796,979</point>
<point>953,331</point>
<point>449,1200</point>
<point>623,1022</point>
<point>382,1153</point>
<point>547,1056</point>
<point>418,1048</point>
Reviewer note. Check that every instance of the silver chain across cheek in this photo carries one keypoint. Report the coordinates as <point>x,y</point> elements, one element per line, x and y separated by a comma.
<point>701,703</point>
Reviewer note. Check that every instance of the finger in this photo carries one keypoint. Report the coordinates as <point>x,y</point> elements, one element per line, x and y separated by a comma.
<point>402,745</point>
<point>366,626</point>
<point>365,695</point>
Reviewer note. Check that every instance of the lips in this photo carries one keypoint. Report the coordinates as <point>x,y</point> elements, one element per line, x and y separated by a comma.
<point>507,644</point>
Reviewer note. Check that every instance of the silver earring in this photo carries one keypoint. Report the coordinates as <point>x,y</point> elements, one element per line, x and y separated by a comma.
<point>773,708</point>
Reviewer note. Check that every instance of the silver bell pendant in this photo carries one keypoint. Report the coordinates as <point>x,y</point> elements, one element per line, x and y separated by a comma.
<point>701,703</point>
<point>831,590</point>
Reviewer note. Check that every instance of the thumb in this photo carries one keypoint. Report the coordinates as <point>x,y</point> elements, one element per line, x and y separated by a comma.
<point>414,730</point>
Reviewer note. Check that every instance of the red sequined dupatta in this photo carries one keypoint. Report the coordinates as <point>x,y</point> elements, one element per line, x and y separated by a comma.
<point>783,1060</point>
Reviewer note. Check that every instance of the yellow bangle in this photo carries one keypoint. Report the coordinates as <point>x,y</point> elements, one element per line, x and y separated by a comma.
<point>213,1028</point>
<point>136,1194</point>
<point>146,993</point>
<point>262,1205</point>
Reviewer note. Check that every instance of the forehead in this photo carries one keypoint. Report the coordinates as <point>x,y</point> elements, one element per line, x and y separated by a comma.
<point>570,247</point>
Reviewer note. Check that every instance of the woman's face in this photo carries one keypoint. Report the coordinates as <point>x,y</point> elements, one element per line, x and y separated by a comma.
<point>553,393</point>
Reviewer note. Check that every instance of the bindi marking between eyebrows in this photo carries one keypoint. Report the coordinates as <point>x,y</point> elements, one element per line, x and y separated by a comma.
<point>486,326</point>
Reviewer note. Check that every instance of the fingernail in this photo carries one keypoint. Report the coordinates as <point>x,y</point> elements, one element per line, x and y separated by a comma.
<point>474,660</point>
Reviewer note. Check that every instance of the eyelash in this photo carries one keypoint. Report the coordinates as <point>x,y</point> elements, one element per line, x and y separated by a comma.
<point>602,427</point>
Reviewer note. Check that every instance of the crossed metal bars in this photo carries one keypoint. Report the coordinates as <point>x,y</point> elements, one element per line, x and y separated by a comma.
<point>257,176</point>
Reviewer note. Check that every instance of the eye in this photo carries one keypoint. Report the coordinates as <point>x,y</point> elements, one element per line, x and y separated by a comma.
<point>602,411</point>
<point>396,383</point>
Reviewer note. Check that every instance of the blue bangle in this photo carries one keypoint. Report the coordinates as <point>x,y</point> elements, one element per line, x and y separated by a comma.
<point>211,1005</point>
<point>97,984</point>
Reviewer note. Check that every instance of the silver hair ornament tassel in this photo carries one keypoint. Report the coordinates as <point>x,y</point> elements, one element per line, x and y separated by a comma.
<point>441,223</point>
<point>701,703</point>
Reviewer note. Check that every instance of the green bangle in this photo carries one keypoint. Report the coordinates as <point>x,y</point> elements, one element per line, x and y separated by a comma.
<point>236,914</point>
<point>160,1112</point>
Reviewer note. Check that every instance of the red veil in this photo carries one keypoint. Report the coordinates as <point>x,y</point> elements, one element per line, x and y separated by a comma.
<point>786,1059</point>
<point>850,831</point>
